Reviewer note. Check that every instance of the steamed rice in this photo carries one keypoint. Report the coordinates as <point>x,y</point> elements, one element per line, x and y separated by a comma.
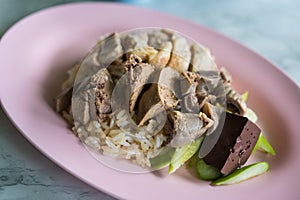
<point>110,140</point>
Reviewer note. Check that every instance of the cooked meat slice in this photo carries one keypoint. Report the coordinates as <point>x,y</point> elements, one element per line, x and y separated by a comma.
<point>163,55</point>
<point>139,77</point>
<point>130,85</point>
<point>63,100</point>
<point>103,92</point>
<point>83,107</point>
<point>160,96</point>
<point>169,87</point>
<point>92,98</point>
<point>134,41</point>
<point>157,38</point>
<point>137,43</point>
<point>190,102</point>
<point>72,73</point>
<point>183,128</point>
<point>108,50</point>
<point>197,88</point>
<point>116,72</point>
<point>181,55</point>
<point>225,75</point>
<point>214,113</point>
<point>149,106</point>
<point>201,59</point>
<point>234,101</point>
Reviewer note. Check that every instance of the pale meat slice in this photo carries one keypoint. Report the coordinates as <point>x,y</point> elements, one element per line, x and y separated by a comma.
<point>157,38</point>
<point>183,128</point>
<point>160,96</point>
<point>149,106</point>
<point>201,59</point>
<point>111,50</point>
<point>181,55</point>
<point>108,50</point>
<point>130,85</point>
<point>169,87</point>
<point>234,101</point>
<point>83,107</point>
<point>163,55</point>
<point>92,99</point>
<point>63,100</point>
<point>137,43</point>
<point>104,87</point>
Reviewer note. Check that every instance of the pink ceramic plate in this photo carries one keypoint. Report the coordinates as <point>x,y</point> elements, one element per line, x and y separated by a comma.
<point>34,56</point>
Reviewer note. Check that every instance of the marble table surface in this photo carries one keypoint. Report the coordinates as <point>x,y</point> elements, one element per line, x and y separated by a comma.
<point>270,28</point>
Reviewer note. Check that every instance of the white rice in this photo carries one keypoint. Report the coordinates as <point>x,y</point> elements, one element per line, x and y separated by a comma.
<point>111,140</point>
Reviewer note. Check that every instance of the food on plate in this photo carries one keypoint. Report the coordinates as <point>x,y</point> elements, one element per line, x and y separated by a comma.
<point>159,100</point>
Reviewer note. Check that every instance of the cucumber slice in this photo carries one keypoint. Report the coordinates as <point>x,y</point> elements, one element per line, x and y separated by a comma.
<point>163,159</point>
<point>207,172</point>
<point>182,154</point>
<point>250,114</point>
<point>263,145</point>
<point>243,174</point>
<point>245,96</point>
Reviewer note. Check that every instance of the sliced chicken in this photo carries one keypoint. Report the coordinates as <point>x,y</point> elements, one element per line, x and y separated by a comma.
<point>92,99</point>
<point>137,43</point>
<point>183,128</point>
<point>163,55</point>
<point>201,59</point>
<point>181,55</point>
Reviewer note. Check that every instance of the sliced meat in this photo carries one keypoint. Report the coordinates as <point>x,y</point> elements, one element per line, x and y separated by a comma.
<point>92,98</point>
<point>116,71</point>
<point>234,101</point>
<point>149,106</point>
<point>138,79</point>
<point>130,85</point>
<point>190,102</point>
<point>104,87</point>
<point>231,144</point>
<point>183,128</point>
<point>181,55</point>
<point>83,107</point>
<point>163,55</point>
<point>160,96</point>
<point>225,75</point>
<point>137,43</point>
<point>63,100</point>
<point>108,50</point>
<point>214,113</point>
<point>201,59</point>
<point>157,38</point>
<point>169,87</point>
<point>197,88</point>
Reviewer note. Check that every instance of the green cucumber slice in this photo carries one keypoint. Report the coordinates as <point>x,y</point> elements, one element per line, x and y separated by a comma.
<point>182,154</point>
<point>245,96</point>
<point>250,114</point>
<point>163,159</point>
<point>264,146</point>
<point>207,172</point>
<point>243,174</point>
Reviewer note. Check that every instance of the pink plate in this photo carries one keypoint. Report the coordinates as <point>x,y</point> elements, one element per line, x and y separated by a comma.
<point>34,57</point>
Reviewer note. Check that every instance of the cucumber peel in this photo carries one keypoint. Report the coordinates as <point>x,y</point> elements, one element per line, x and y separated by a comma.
<point>245,96</point>
<point>263,145</point>
<point>182,154</point>
<point>163,159</point>
<point>207,172</point>
<point>243,174</point>
<point>250,114</point>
